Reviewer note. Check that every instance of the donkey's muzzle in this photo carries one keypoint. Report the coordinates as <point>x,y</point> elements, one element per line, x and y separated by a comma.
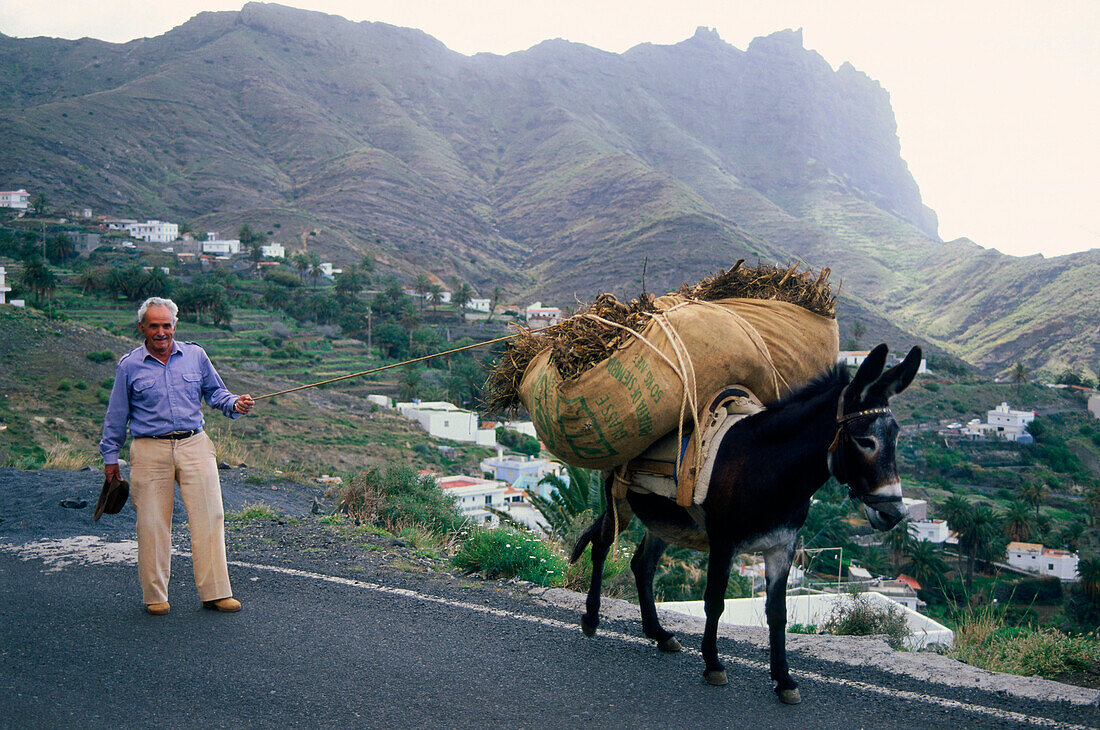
<point>885,514</point>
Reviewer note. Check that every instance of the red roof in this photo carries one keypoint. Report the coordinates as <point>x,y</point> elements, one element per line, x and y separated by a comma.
<point>451,483</point>
<point>909,581</point>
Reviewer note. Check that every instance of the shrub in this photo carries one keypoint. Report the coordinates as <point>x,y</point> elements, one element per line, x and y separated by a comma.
<point>100,356</point>
<point>1040,591</point>
<point>504,553</point>
<point>802,629</point>
<point>64,384</point>
<point>982,639</point>
<point>252,512</point>
<point>858,616</point>
<point>396,498</point>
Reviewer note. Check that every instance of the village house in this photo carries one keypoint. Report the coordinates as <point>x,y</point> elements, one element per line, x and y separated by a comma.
<point>152,231</point>
<point>474,495</point>
<point>17,199</point>
<point>1094,405</point>
<point>538,316</point>
<point>1002,422</point>
<point>855,358</point>
<point>929,530</point>
<point>273,251</point>
<point>228,247</point>
<point>510,467</point>
<point>479,305</point>
<point>1035,558</point>
<point>446,420</point>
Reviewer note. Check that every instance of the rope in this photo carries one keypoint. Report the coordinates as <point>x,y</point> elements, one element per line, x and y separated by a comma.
<point>386,367</point>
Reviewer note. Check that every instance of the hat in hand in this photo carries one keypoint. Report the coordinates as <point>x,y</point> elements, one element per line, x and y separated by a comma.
<point>112,496</point>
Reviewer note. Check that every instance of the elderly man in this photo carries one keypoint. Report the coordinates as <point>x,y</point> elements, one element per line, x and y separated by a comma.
<point>158,389</point>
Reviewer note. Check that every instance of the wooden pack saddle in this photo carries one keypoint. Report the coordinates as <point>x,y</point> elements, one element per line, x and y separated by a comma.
<point>655,470</point>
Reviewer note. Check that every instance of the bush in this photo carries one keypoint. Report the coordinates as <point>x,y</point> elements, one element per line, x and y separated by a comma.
<point>252,512</point>
<point>64,384</point>
<point>1038,591</point>
<point>857,616</point>
<point>396,498</point>
<point>504,553</point>
<point>982,639</point>
<point>100,356</point>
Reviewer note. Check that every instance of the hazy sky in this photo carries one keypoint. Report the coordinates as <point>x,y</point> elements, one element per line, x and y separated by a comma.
<point>997,101</point>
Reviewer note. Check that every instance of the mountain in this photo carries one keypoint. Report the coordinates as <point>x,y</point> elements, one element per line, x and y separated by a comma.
<point>553,173</point>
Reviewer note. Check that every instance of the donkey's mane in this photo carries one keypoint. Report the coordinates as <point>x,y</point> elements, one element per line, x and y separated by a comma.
<point>788,411</point>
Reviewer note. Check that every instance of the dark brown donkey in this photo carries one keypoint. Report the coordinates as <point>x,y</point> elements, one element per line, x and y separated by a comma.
<point>768,466</point>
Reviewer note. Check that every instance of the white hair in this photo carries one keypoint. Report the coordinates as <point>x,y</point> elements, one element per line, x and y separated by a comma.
<point>157,302</point>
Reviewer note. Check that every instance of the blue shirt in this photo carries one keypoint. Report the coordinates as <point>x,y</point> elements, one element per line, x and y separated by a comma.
<point>157,399</point>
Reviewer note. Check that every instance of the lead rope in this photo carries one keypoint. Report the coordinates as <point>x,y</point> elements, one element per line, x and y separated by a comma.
<point>385,367</point>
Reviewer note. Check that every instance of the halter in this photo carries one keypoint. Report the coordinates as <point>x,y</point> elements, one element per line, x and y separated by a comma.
<point>842,422</point>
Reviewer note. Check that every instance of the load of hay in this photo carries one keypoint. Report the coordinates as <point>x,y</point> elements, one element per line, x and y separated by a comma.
<point>606,383</point>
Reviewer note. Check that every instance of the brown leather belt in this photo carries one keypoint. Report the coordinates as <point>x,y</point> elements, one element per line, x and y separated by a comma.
<point>177,435</point>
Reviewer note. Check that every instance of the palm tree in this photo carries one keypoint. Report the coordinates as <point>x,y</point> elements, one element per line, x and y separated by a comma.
<point>581,491</point>
<point>421,285</point>
<point>38,278</point>
<point>1018,522</point>
<point>1092,503</point>
<point>462,297</point>
<point>300,260</point>
<point>957,512</point>
<point>39,204</point>
<point>979,538</point>
<point>1073,534</point>
<point>1034,493</point>
<point>858,331</point>
<point>898,540</point>
<point>435,293</point>
<point>315,270</point>
<point>1019,376</point>
<point>494,300</point>
<point>1089,570</point>
<point>925,563</point>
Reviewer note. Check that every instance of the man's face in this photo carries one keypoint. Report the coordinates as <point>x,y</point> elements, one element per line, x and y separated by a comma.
<point>158,329</point>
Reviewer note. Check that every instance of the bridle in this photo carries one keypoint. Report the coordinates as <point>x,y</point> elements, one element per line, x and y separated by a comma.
<point>842,421</point>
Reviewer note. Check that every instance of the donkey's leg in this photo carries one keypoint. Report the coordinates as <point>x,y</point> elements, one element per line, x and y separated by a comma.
<point>602,539</point>
<point>644,565</point>
<point>777,565</point>
<point>714,601</point>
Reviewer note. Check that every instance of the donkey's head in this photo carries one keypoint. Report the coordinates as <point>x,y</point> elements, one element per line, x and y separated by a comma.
<point>862,455</point>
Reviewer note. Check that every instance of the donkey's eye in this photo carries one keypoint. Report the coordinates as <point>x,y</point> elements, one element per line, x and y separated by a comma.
<point>866,443</point>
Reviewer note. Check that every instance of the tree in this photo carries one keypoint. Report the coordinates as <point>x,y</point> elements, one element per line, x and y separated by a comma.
<point>392,340</point>
<point>1089,570</point>
<point>1034,493</point>
<point>579,492</point>
<point>956,510</point>
<point>925,563</point>
<point>348,284</point>
<point>1092,504</point>
<point>462,297</point>
<point>59,249</point>
<point>979,538</point>
<point>421,286</point>
<point>1017,522</point>
<point>493,301</point>
<point>1019,376</point>
<point>316,271</point>
<point>300,261</point>
<point>898,540</point>
<point>858,331</point>
<point>38,278</point>
<point>435,293</point>
<point>39,204</point>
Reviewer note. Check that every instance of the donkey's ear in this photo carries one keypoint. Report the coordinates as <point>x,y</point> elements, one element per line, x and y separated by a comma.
<point>898,378</point>
<point>869,370</point>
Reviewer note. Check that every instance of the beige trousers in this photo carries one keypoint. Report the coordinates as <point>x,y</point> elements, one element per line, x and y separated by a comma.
<point>156,466</point>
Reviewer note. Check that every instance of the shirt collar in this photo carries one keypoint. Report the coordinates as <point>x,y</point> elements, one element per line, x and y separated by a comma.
<point>145,351</point>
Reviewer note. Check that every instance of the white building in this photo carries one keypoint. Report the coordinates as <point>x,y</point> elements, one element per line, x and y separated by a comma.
<point>929,530</point>
<point>478,305</point>
<point>228,247</point>
<point>538,316</point>
<point>327,271</point>
<point>855,358</point>
<point>814,610</point>
<point>1002,422</point>
<point>473,494</point>
<point>917,509</point>
<point>1094,405</point>
<point>19,199</point>
<point>527,428</point>
<point>446,420</point>
<point>4,288</point>
<point>510,467</point>
<point>1035,558</point>
<point>273,251</point>
<point>153,231</point>
<point>381,400</point>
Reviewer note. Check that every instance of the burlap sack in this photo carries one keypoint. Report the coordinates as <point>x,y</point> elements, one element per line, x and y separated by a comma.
<point>615,410</point>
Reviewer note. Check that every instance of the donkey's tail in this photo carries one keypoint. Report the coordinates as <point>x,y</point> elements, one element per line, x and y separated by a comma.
<point>585,538</point>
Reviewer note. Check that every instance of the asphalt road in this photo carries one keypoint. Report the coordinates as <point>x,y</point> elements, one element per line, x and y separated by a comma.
<point>76,650</point>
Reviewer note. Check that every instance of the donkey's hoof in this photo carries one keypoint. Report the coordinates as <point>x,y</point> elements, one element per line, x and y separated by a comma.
<point>789,696</point>
<point>670,645</point>
<point>588,628</point>
<point>716,677</point>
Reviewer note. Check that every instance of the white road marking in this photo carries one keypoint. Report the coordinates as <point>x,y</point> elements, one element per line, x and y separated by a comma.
<point>627,638</point>
<point>57,554</point>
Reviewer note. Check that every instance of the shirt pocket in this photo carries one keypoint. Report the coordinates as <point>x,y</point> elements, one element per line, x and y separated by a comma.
<point>144,390</point>
<point>192,385</point>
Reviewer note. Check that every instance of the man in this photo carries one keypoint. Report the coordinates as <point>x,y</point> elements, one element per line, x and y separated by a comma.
<point>158,390</point>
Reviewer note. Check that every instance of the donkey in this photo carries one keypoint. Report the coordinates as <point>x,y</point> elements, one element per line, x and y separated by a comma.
<point>767,468</point>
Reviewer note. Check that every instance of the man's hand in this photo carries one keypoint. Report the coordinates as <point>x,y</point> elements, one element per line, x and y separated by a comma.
<point>110,471</point>
<point>244,404</point>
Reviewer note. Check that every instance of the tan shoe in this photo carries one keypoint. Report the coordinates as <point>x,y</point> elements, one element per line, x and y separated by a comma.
<point>158,609</point>
<point>225,605</point>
